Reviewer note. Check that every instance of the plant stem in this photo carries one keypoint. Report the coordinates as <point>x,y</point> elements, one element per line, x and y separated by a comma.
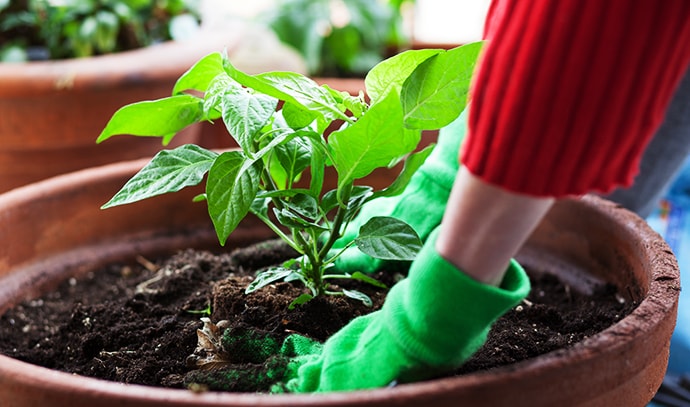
<point>335,230</point>
<point>314,270</point>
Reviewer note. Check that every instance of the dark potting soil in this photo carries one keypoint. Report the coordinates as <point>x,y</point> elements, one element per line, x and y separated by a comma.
<point>137,323</point>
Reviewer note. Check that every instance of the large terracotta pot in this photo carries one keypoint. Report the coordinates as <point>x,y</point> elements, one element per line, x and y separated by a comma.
<point>51,112</point>
<point>54,229</point>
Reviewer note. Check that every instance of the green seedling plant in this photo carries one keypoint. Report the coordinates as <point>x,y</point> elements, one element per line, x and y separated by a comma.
<point>287,126</point>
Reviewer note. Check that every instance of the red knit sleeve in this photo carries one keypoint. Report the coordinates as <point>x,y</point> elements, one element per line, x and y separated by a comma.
<point>569,92</point>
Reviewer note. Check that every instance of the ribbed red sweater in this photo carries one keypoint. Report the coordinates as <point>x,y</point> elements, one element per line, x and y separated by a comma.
<point>569,92</point>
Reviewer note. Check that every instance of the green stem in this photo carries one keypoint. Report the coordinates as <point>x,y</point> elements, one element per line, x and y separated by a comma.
<point>335,229</point>
<point>270,186</point>
<point>280,233</point>
<point>313,272</point>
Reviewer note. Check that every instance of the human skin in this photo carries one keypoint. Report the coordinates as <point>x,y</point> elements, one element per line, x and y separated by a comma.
<point>484,226</point>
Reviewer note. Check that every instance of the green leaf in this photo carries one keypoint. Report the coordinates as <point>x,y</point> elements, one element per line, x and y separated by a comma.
<point>297,117</point>
<point>259,206</point>
<point>199,76</point>
<point>356,105</point>
<point>245,114</point>
<point>157,118</point>
<point>267,277</point>
<point>389,75</point>
<point>294,88</point>
<point>357,275</point>
<point>230,192</point>
<point>294,156</point>
<point>302,299</point>
<point>388,238</point>
<point>304,205</point>
<point>374,141</point>
<point>360,296</point>
<point>318,167</point>
<point>436,92</point>
<point>358,195</point>
<point>168,171</point>
<point>277,173</point>
<point>412,164</point>
<point>268,148</point>
<point>216,91</point>
<point>292,219</point>
<point>303,91</point>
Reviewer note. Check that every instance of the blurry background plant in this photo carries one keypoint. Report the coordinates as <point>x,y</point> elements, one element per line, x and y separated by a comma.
<point>58,29</point>
<point>341,38</point>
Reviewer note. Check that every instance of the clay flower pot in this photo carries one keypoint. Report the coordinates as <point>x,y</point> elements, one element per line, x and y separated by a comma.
<point>54,229</point>
<point>53,111</point>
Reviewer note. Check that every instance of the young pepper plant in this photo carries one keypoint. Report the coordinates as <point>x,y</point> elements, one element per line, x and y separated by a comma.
<point>281,122</point>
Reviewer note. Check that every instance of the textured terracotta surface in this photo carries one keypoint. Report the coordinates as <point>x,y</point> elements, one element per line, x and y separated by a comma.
<point>47,229</point>
<point>53,111</point>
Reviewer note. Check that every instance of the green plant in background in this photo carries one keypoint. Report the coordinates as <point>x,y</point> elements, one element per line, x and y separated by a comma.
<point>339,37</point>
<point>281,120</point>
<point>52,29</point>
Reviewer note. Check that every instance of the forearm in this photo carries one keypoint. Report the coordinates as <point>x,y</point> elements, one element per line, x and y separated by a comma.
<point>484,226</point>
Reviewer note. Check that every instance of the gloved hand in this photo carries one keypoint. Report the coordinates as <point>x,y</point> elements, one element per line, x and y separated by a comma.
<point>430,323</point>
<point>421,205</point>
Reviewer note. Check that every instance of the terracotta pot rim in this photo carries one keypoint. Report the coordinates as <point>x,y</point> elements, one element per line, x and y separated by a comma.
<point>663,281</point>
<point>142,66</point>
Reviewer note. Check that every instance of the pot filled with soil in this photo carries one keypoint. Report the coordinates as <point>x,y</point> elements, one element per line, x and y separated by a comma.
<point>206,325</point>
<point>55,240</point>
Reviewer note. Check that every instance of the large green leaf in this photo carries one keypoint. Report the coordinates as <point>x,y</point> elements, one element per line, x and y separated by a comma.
<point>230,192</point>
<point>436,92</point>
<point>390,74</point>
<point>303,90</point>
<point>199,76</point>
<point>294,88</point>
<point>246,113</point>
<point>374,141</point>
<point>157,118</point>
<point>168,171</point>
<point>388,238</point>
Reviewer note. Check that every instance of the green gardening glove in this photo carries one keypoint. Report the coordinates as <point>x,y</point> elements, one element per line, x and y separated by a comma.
<point>430,323</point>
<point>421,205</point>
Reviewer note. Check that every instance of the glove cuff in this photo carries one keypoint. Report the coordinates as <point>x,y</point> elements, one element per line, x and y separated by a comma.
<point>440,315</point>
